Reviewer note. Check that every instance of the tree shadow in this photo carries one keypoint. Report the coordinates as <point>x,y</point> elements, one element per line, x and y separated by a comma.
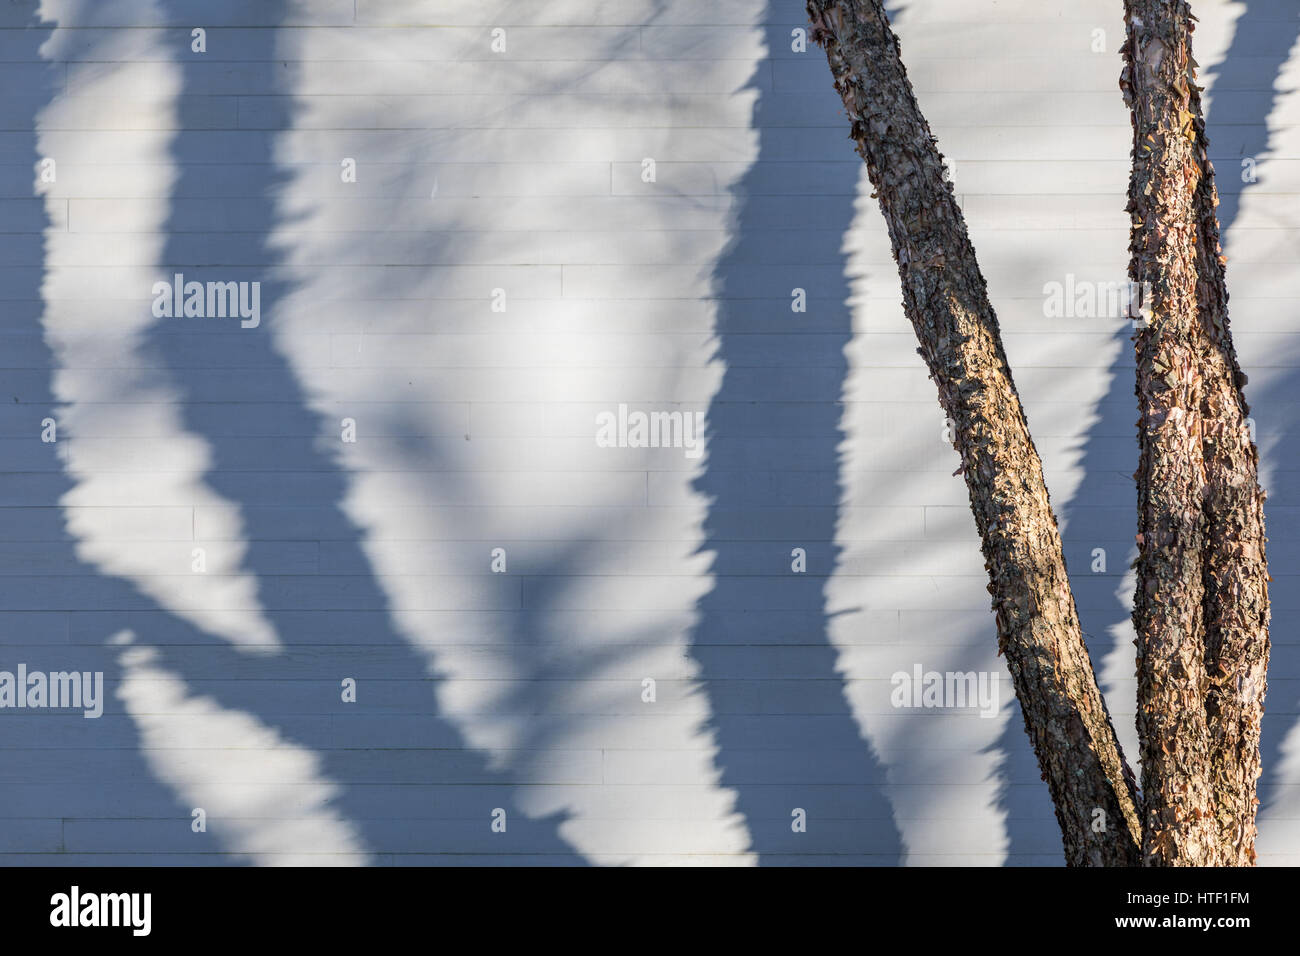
<point>75,791</point>
<point>332,626</point>
<point>772,480</point>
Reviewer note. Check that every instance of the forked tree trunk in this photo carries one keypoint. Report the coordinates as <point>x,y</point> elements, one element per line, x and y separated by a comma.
<point>947,302</point>
<point>1201,608</point>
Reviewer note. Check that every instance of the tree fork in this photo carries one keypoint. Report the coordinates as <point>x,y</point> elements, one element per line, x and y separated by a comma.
<point>946,300</point>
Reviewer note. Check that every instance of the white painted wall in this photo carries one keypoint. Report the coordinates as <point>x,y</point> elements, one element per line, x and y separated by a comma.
<point>522,171</point>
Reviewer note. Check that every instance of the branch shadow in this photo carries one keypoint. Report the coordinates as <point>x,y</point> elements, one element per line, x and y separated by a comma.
<point>75,791</point>
<point>332,626</point>
<point>772,480</point>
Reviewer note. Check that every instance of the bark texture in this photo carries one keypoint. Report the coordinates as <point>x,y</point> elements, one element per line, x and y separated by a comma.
<point>1168,615</point>
<point>1201,608</point>
<point>946,300</point>
<point>1236,562</point>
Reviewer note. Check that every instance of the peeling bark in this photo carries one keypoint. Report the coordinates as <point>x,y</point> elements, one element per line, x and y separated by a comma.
<point>947,302</point>
<point>1236,563</point>
<point>1202,660</point>
<point>1168,615</point>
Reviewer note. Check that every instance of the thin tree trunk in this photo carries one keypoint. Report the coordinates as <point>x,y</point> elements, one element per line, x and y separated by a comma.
<point>1236,562</point>
<point>1236,571</point>
<point>1201,609</point>
<point>947,302</point>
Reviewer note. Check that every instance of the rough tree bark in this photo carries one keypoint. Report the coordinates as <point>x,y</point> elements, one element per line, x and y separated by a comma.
<point>1168,614</point>
<point>947,303</point>
<point>1201,608</point>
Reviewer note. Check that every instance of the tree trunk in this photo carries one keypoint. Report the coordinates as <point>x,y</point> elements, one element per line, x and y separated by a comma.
<point>1236,563</point>
<point>1168,614</point>
<point>1201,608</point>
<point>947,303</point>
